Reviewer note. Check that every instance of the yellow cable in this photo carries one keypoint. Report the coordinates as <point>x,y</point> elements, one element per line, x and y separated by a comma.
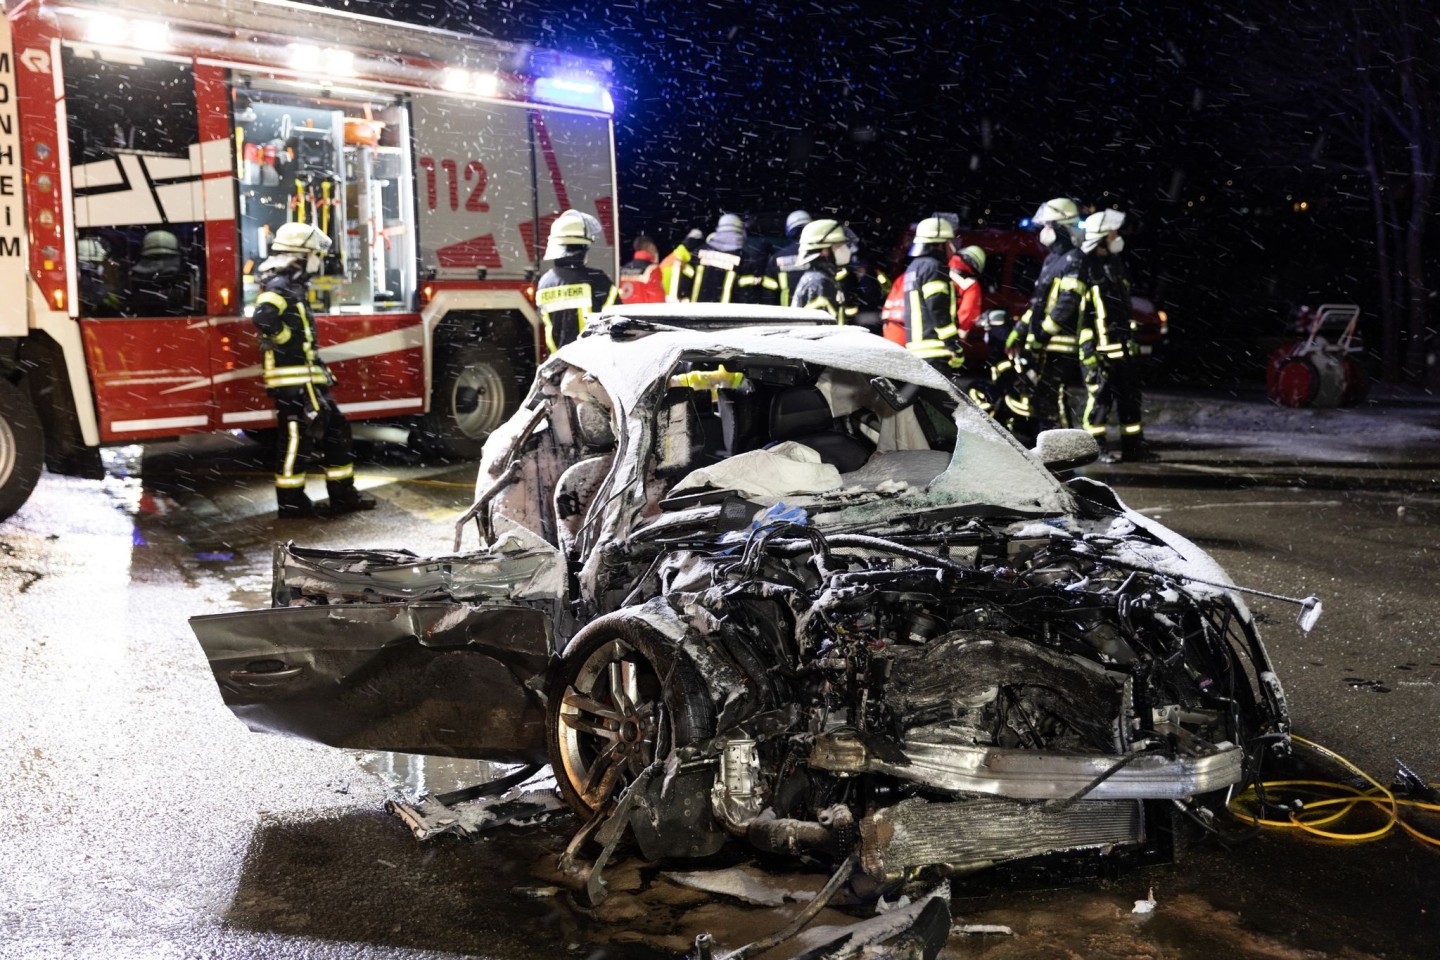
<point>1377,796</point>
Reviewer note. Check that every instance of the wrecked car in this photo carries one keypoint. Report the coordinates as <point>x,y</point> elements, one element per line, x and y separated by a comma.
<point>784,585</point>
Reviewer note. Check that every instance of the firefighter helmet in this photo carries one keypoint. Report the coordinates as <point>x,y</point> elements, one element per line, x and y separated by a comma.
<point>1100,225</point>
<point>1061,210</point>
<point>974,258</point>
<point>302,238</point>
<point>91,250</point>
<point>729,233</point>
<point>293,238</point>
<point>931,230</point>
<point>796,222</point>
<point>159,243</point>
<point>819,236</point>
<point>571,229</point>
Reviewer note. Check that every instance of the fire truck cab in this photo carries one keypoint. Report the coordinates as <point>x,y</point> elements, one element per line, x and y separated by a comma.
<point>148,154</point>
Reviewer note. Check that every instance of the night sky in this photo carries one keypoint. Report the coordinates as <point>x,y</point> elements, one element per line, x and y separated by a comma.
<point>881,113</point>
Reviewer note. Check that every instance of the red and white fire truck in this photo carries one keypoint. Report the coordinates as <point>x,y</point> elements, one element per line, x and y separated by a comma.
<point>148,153</point>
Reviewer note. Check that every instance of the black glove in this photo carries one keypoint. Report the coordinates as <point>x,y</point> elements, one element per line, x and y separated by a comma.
<point>693,240</point>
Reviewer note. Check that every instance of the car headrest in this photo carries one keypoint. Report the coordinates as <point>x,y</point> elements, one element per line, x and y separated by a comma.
<point>798,411</point>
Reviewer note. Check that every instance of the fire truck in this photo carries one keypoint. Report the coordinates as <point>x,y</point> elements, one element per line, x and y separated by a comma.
<point>148,154</point>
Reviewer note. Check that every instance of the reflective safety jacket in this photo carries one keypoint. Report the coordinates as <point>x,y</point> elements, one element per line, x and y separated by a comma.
<point>640,280</point>
<point>892,313</point>
<point>782,273</point>
<point>289,353</point>
<point>1106,329</point>
<point>819,289</point>
<point>930,308</point>
<point>1062,258</point>
<point>717,276</point>
<point>567,295</point>
<point>1052,322</point>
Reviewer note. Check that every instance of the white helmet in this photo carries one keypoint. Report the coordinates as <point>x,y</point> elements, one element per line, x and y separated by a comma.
<point>1061,210</point>
<point>90,250</point>
<point>974,258</point>
<point>571,229</point>
<point>729,233</point>
<point>929,231</point>
<point>302,238</point>
<point>796,221</point>
<point>1098,226</point>
<point>821,235</point>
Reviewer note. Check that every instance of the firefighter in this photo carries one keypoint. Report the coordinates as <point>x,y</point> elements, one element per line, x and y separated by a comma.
<point>783,269</point>
<point>296,377</point>
<point>98,296</point>
<point>929,302</point>
<point>1042,345</point>
<point>720,272</point>
<point>823,251</point>
<point>673,266</point>
<point>163,283</point>
<point>1107,340</point>
<point>570,291</point>
<point>640,279</point>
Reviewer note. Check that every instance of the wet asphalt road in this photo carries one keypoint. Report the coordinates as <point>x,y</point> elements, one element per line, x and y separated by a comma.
<point>142,820</point>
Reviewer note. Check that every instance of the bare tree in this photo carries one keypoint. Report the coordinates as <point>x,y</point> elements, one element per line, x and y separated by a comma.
<point>1356,86</point>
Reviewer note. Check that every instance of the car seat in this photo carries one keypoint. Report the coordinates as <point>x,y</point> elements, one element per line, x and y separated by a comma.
<point>803,415</point>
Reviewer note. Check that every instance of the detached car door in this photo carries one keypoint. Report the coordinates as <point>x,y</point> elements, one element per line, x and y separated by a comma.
<point>389,651</point>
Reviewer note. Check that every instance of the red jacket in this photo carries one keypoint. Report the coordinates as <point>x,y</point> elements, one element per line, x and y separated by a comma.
<point>641,281</point>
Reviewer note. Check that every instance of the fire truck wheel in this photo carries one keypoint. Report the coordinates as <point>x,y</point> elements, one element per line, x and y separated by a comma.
<point>22,448</point>
<point>476,390</point>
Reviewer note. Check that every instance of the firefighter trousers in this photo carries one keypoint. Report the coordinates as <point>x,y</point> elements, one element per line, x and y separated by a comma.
<point>1117,388</point>
<point>1049,404</point>
<point>309,419</point>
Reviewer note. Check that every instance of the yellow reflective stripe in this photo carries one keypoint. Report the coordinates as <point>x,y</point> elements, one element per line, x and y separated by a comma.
<point>1095,431</point>
<point>934,287</point>
<point>292,450</point>
<point>1071,283</point>
<point>272,298</point>
<point>340,473</point>
<point>947,331</point>
<point>1130,429</point>
<point>750,280</point>
<point>614,296</point>
<point>917,319</point>
<point>1113,350</point>
<point>770,283</point>
<point>729,285</point>
<point>570,296</point>
<point>1049,326</point>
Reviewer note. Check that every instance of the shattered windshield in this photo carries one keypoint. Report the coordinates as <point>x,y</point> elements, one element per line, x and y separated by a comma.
<point>865,420</point>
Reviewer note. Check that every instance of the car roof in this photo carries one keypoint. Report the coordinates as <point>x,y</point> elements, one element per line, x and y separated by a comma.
<point>716,315</point>
<point>627,358</point>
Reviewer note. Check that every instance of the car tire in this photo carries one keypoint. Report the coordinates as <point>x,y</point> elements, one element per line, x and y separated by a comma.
<point>476,388</point>
<point>22,448</point>
<point>620,698</point>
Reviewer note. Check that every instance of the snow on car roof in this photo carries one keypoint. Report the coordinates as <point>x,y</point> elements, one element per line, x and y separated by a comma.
<point>625,367</point>
<point>729,314</point>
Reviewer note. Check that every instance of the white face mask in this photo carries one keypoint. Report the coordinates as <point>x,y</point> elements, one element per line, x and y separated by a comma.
<point>314,263</point>
<point>1047,235</point>
<point>1115,244</point>
<point>842,254</point>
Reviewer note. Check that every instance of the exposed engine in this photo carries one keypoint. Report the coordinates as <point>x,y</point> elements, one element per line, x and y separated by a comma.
<point>947,700</point>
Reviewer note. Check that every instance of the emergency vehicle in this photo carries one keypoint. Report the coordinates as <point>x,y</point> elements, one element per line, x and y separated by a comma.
<point>148,153</point>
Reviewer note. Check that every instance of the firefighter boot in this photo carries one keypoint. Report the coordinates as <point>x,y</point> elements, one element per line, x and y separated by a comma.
<point>1134,449</point>
<point>345,498</point>
<point>294,504</point>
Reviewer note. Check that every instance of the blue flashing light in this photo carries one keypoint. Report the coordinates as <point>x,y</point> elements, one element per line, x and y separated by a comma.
<point>570,92</point>
<point>1026,223</point>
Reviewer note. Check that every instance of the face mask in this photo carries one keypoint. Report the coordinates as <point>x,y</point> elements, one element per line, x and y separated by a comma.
<point>1116,244</point>
<point>1047,235</point>
<point>314,263</point>
<point>842,255</point>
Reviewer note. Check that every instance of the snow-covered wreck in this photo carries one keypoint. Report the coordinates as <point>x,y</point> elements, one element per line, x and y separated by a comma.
<point>784,584</point>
